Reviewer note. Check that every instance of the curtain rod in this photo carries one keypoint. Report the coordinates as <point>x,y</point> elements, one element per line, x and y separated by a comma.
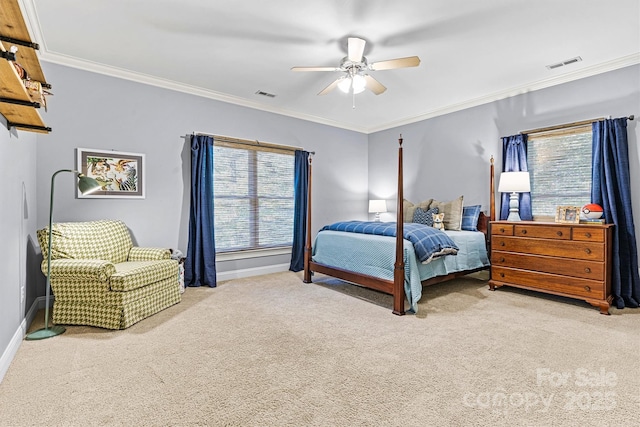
<point>568,125</point>
<point>250,142</point>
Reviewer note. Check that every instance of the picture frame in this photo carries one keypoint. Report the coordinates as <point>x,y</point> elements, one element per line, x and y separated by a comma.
<point>568,214</point>
<point>121,174</point>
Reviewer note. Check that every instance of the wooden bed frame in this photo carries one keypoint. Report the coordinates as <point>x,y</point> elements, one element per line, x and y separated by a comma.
<point>394,287</point>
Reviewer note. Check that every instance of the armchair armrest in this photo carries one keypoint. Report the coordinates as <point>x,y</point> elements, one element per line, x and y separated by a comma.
<point>85,269</point>
<point>148,254</point>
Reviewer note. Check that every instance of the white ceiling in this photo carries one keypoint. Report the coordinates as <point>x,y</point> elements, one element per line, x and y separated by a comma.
<point>472,51</point>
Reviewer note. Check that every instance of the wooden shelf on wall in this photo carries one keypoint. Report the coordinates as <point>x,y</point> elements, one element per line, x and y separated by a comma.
<point>16,104</point>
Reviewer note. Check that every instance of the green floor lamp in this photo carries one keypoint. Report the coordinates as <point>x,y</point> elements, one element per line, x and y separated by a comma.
<point>86,185</point>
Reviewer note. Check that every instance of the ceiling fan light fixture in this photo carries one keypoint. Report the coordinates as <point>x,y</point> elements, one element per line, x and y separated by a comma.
<point>355,83</point>
<point>344,84</point>
<point>358,83</point>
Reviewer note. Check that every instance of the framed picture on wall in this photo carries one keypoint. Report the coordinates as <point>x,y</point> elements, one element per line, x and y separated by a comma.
<point>568,214</point>
<point>120,174</point>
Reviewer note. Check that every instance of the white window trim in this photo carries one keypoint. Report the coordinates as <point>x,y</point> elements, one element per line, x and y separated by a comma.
<point>253,253</point>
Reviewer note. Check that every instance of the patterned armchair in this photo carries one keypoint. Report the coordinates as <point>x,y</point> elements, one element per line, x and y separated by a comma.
<point>100,279</point>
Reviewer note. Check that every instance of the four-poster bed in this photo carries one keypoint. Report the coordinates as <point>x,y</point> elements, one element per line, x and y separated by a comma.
<point>394,283</point>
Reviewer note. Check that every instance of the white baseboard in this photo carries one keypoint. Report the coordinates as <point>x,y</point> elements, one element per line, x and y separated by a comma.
<point>248,272</point>
<point>11,350</point>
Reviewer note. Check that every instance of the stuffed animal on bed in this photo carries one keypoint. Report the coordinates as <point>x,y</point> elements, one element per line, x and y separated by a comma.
<point>438,221</point>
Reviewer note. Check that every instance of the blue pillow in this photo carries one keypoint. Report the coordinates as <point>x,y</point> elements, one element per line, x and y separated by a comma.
<point>422,216</point>
<point>470,215</point>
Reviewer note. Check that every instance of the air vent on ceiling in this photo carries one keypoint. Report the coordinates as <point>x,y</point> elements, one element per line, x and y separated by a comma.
<point>263,93</point>
<point>563,63</point>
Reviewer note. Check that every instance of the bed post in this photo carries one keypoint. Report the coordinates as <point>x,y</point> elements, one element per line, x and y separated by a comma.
<point>492,197</point>
<point>307,247</point>
<point>398,272</point>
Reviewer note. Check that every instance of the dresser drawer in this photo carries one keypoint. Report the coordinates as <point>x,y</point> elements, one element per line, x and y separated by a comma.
<point>543,232</point>
<point>548,282</point>
<point>593,270</point>
<point>502,229</point>
<point>556,248</point>
<point>588,234</point>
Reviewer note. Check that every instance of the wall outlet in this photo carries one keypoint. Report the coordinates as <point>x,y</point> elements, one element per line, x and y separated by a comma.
<point>23,294</point>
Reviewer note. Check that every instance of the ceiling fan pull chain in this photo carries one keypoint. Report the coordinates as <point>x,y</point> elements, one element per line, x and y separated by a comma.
<point>353,94</point>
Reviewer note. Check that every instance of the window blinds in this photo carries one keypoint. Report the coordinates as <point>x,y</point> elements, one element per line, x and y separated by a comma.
<point>560,168</point>
<point>253,196</point>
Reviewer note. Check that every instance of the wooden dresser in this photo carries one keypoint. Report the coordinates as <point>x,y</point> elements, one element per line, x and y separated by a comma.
<point>571,260</point>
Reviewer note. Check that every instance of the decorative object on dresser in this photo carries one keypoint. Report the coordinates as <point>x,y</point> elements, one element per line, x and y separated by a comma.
<point>514,183</point>
<point>568,214</point>
<point>570,260</point>
<point>591,211</point>
<point>377,207</point>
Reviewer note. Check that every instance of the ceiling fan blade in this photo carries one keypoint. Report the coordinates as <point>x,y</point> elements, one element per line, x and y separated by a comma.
<point>331,87</point>
<point>355,49</point>
<point>373,85</point>
<point>410,61</point>
<point>315,69</point>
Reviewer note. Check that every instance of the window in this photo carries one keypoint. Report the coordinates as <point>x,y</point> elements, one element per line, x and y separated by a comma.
<point>253,196</point>
<point>559,165</point>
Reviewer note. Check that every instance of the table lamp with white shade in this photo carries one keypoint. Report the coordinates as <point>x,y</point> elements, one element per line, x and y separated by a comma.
<point>377,207</point>
<point>514,183</point>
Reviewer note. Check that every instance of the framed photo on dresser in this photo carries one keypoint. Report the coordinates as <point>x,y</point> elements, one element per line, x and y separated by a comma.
<point>568,214</point>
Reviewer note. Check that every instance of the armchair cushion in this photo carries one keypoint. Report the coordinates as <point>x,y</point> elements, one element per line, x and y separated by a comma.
<point>136,274</point>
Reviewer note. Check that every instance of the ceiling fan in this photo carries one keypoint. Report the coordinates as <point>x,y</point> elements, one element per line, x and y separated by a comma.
<point>355,67</point>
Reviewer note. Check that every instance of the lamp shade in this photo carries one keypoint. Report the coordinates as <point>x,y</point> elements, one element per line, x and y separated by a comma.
<point>87,185</point>
<point>514,182</point>
<point>377,206</point>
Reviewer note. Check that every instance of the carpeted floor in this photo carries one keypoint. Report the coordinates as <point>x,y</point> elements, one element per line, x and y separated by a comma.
<point>273,351</point>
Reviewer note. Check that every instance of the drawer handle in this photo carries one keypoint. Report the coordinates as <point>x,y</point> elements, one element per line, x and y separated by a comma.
<point>501,243</point>
<point>587,270</point>
<point>559,233</point>
<point>587,288</point>
<point>501,259</point>
<point>524,231</point>
<point>502,230</point>
<point>587,234</point>
<point>588,250</point>
<point>501,274</point>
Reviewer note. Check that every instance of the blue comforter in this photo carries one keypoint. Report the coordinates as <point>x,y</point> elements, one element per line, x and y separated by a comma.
<point>428,242</point>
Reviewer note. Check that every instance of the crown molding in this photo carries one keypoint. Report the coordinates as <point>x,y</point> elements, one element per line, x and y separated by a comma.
<point>604,67</point>
<point>206,93</point>
<point>95,67</point>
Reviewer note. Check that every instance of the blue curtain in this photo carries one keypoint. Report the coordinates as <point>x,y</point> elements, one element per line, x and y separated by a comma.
<point>514,159</point>
<point>200,263</point>
<point>611,189</point>
<point>300,194</point>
